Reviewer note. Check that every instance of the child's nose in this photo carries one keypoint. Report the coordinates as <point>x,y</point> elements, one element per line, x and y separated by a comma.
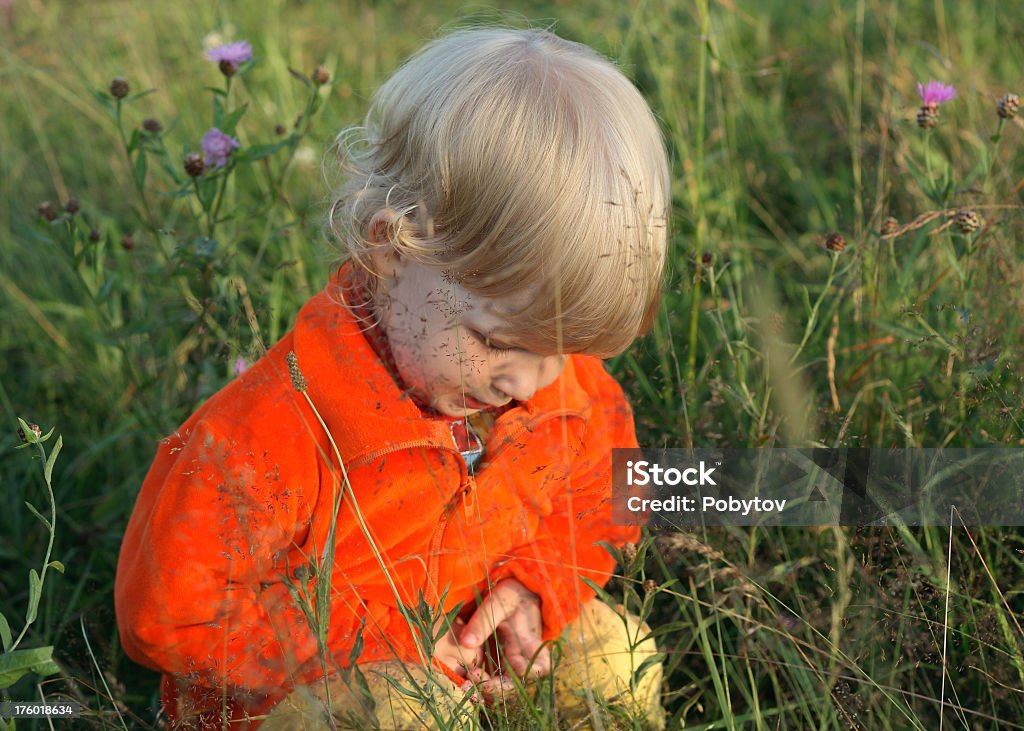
<point>530,374</point>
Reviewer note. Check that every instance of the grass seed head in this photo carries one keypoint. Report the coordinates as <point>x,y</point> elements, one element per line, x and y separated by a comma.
<point>298,380</point>
<point>890,225</point>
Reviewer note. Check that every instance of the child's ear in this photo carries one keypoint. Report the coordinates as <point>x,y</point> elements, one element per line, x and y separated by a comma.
<point>380,235</point>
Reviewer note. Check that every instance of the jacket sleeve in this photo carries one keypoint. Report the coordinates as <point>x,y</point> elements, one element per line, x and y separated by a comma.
<point>566,546</point>
<point>199,590</point>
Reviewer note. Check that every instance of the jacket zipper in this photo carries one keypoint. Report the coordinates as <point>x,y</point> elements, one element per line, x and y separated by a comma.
<point>466,489</point>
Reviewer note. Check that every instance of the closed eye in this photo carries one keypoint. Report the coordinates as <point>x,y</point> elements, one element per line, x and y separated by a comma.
<point>488,343</point>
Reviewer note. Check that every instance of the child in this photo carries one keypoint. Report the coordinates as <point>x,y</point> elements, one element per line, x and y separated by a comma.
<point>504,225</point>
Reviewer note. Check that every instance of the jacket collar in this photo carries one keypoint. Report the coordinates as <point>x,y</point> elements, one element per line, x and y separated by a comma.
<point>363,406</point>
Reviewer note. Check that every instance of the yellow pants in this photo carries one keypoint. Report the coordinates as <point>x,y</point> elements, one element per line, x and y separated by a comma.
<point>595,655</point>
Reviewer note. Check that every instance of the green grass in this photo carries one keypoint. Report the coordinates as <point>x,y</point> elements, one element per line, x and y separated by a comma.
<point>785,121</point>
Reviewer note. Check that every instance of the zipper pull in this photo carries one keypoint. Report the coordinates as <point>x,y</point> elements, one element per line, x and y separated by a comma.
<point>469,497</point>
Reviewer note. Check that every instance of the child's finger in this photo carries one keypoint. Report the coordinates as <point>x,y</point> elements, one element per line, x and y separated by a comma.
<point>496,688</point>
<point>491,613</point>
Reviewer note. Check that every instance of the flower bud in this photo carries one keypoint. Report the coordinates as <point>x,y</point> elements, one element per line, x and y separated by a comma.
<point>1007,107</point>
<point>94,235</point>
<point>152,126</point>
<point>128,242</point>
<point>629,552</point>
<point>194,164</point>
<point>707,259</point>
<point>228,68</point>
<point>890,225</point>
<point>650,586</point>
<point>320,76</point>
<point>967,221</point>
<point>928,116</point>
<point>835,242</point>
<point>47,210</point>
<point>119,87</point>
<point>280,130</point>
<point>72,206</point>
<point>34,428</point>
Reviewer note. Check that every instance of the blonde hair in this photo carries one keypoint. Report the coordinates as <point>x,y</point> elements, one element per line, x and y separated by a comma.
<point>517,162</point>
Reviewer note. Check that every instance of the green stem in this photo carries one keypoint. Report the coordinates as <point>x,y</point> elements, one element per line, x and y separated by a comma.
<point>49,546</point>
<point>219,199</point>
<point>814,310</point>
<point>350,493</point>
<point>277,185</point>
<point>928,162</point>
<point>139,188</point>
<point>697,197</point>
<point>995,151</point>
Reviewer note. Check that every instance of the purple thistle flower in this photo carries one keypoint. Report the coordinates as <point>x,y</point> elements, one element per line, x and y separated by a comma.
<point>935,93</point>
<point>240,366</point>
<point>217,146</point>
<point>235,53</point>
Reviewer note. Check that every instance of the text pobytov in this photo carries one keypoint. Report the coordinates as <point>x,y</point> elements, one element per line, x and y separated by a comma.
<point>677,503</point>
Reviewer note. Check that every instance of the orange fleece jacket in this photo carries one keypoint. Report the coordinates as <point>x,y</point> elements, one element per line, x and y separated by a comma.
<point>239,499</point>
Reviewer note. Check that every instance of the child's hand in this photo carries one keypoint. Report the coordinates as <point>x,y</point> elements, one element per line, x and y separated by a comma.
<point>513,612</point>
<point>464,660</point>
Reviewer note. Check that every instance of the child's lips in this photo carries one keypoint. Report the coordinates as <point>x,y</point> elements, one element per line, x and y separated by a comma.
<point>472,403</point>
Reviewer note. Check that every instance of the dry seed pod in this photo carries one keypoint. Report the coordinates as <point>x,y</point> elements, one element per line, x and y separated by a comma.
<point>967,221</point>
<point>835,242</point>
<point>1007,107</point>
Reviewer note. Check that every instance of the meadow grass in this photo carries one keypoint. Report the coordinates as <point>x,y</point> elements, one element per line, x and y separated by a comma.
<point>786,122</point>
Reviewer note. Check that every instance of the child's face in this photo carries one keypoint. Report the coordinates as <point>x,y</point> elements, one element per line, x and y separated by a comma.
<point>446,345</point>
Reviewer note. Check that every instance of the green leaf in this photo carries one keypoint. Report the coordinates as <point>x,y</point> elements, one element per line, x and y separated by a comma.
<point>35,592</point>
<point>141,94</point>
<point>141,166</point>
<point>207,192</point>
<point>301,77</point>
<point>102,98</point>
<point>30,435</point>
<point>357,646</point>
<point>52,459</point>
<point>7,725</point>
<point>229,123</point>
<point>5,633</point>
<point>605,596</point>
<point>32,509</point>
<point>644,667</point>
<point>218,112</point>
<point>38,660</point>
<point>133,141</point>
<point>259,152</point>
<point>56,566</point>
